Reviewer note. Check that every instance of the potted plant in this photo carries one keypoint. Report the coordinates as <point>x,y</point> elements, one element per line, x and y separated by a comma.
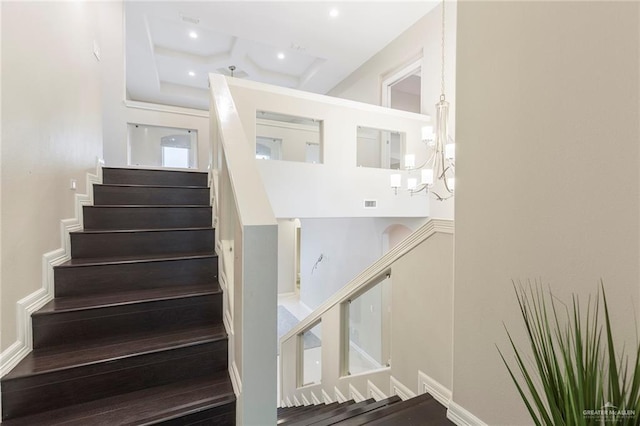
<point>571,374</point>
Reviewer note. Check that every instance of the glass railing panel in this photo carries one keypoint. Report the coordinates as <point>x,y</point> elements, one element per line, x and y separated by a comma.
<point>368,329</point>
<point>310,344</point>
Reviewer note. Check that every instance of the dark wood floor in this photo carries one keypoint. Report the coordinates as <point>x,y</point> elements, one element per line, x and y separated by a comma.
<point>134,334</point>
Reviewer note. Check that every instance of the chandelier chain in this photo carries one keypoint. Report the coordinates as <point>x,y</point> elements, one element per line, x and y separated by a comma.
<point>442,59</point>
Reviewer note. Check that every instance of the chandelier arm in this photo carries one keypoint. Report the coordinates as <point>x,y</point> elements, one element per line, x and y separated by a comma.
<point>430,160</point>
<point>420,188</point>
<point>440,198</point>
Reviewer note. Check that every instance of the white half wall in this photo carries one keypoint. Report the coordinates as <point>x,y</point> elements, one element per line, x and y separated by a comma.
<point>337,188</point>
<point>547,186</point>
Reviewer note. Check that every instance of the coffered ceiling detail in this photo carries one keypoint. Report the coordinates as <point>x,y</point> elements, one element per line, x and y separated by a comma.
<point>172,46</point>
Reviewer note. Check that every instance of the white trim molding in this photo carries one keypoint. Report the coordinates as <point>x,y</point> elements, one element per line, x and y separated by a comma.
<point>397,388</point>
<point>462,417</point>
<point>296,402</point>
<point>23,345</point>
<point>354,394</point>
<point>305,401</point>
<point>428,385</point>
<point>314,399</point>
<point>340,398</point>
<point>374,392</point>
<point>236,381</point>
<point>166,108</point>
<point>326,397</point>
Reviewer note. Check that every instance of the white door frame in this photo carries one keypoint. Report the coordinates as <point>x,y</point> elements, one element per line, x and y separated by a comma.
<point>396,77</point>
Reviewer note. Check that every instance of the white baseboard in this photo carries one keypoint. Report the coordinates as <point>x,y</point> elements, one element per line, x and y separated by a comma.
<point>314,399</point>
<point>374,392</point>
<point>462,417</point>
<point>438,391</point>
<point>236,381</point>
<point>305,401</point>
<point>23,345</point>
<point>296,401</point>
<point>340,398</point>
<point>397,388</point>
<point>326,397</point>
<point>354,394</point>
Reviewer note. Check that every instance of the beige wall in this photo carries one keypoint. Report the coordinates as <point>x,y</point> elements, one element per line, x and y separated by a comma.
<point>51,132</point>
<point>547,175</point>
<point>423,39</point>
<point>421,313</point>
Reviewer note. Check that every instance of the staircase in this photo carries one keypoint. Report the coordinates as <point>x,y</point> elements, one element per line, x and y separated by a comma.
<point>421,410</point>
<point>134,334</point>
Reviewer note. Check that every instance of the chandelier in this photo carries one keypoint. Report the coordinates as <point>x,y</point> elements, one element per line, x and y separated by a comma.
<point>437,174</point>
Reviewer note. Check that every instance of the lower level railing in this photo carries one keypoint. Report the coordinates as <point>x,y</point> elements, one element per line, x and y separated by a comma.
<point>388,331</point>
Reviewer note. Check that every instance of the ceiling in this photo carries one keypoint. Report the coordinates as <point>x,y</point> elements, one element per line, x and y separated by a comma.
<point>167,64</point>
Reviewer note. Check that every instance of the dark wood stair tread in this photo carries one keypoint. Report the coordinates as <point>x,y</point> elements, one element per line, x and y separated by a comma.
<point>340,409</point>
<point>100,261</point>
<point>135,335</point>
<point>420,410</point>
<point>306,411</point>
<point>426,412</point>
<point>70,304</point>
<point>148,406</point>
<point>352,411</point>
<point>150,206</point>
<point>154,176</point>
<point>123,231</point>
<point>136,185</point>
<point>62,357</point>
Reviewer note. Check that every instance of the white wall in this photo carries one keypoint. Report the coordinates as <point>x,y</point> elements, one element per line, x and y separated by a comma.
<point>336,188</point>
<point>348,246</point>
<point>547,176</point>
<point>116,147</point>
<point>422,39</point>
<point>52,87</point>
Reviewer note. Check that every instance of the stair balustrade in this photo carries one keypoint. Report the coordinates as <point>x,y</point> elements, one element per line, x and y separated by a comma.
<point>247,247</point>
<point>418,273</point>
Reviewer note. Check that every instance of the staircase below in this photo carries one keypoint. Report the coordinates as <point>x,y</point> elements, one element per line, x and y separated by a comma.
<point>134,335</point>
<point>422,410</point>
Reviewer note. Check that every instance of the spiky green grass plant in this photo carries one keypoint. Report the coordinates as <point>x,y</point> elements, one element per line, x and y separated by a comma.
<point>572,375</point>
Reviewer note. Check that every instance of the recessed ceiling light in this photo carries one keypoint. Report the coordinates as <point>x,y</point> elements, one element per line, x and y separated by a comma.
<point>334,12</point>
<point>192,74</point>
<point>280,55</point>
<point>193,34</point>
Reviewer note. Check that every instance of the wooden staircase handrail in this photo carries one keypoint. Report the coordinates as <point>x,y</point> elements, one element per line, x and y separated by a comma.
<point>374,272</point>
